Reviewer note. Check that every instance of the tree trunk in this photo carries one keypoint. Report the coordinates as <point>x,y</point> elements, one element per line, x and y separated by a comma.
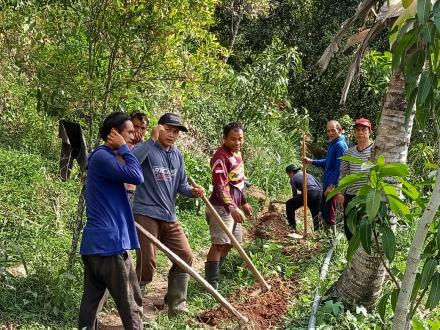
<point>393,136</point>
<point>402,314</point>
<point>361,282</point>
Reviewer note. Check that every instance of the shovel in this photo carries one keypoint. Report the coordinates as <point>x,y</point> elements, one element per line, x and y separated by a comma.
<point>264,286</point>
<point>242,320</point>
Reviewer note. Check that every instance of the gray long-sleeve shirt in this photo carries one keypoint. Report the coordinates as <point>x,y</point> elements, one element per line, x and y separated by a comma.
<point>164,177</point>
<point>297,182</point>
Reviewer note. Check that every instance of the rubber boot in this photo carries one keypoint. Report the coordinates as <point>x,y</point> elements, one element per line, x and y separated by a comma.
<point>212,269</point>
<point>176,295</point>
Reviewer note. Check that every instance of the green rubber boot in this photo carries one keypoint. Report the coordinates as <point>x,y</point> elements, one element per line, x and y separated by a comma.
<point>212,269</point>
<point>176,295</point>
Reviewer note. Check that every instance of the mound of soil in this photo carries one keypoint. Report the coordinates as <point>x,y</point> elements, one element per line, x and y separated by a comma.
<point>270,225</point>
<point>264,311</point>
<point>256,193</point>
<point>303,249</point>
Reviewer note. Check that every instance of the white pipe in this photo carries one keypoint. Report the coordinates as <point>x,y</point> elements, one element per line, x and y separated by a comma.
<point>322,275</point>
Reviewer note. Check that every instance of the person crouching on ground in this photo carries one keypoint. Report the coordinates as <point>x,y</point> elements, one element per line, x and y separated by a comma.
<point>228,199</point>
<point>314,192</point>
<point>154,208</point>
<point>110,229</point>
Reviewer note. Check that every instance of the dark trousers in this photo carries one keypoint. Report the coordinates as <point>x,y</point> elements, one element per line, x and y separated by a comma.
<point>171,235</point>
<point>117,275</point>
<point>328,210</point>
<point>347,231</point>
<point>313,203</point>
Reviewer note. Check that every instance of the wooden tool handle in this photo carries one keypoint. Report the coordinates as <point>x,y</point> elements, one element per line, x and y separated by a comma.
<point>304,186</point>
<point>264,286</point>
<point>242,320</point>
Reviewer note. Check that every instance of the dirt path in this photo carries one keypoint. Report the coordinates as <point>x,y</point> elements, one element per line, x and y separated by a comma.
<point>153,299</point>
<point>265,310</point>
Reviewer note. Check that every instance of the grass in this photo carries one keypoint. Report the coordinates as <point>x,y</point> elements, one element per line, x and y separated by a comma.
<point>36,219</point>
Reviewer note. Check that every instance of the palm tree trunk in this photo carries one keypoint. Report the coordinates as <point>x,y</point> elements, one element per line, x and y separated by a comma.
<point>393,136</point>
<point>362,281</point>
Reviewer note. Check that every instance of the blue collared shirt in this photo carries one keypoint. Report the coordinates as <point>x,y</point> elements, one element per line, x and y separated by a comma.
<point>110,228</point>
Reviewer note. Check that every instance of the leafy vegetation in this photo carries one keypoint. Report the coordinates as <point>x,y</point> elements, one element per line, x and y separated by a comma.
<point>214,62</point>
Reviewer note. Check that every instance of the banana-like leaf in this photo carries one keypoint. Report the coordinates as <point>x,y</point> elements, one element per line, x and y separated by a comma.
<point>361,13</point>
<point>353,70</point>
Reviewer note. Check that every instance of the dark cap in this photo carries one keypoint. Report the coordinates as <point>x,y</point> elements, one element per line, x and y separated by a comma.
<point>292,168</point>
<point>172,119</point>
<point>363,122</point>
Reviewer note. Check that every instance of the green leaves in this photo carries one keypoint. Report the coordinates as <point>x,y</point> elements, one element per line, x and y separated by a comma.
<point>372,203</point>
<point>394,169</point>
<point>436,15</point>
<point>388,242</point>
<point>345,182</point>
<point>427,272</point>
<point>365,231</point>
<point>353,245</point>
<point>423,7</point>
<point>437,238</point>
<point>425,87</point>
<point>352,159</point>
<point>434,294</point>
<point>382,306</point>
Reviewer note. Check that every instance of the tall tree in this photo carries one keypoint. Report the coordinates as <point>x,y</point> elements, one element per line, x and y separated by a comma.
<point>362,280</point>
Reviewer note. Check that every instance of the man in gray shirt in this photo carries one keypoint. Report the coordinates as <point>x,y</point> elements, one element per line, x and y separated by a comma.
<point>314,192</point>
<point>154,207</point>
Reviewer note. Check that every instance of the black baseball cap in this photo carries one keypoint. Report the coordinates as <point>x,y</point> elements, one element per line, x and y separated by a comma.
<point>292,168</point>
<point>172,119</point>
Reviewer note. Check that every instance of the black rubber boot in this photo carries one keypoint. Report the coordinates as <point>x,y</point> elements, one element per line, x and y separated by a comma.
<point>176,295</point>
<point>212,269</point>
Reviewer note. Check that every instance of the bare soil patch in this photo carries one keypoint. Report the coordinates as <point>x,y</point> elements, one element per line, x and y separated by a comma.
<point>264,311</point>
<point>153,299</point>
<point>271,225</point>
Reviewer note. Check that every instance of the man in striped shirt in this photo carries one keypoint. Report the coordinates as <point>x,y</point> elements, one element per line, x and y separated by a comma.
<point>228,199</point>
<point>362,150</point>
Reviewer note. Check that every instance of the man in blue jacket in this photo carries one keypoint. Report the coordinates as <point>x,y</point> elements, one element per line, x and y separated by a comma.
<point>154,207</point>
<point>331,163</point>
<point>110,230</point>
